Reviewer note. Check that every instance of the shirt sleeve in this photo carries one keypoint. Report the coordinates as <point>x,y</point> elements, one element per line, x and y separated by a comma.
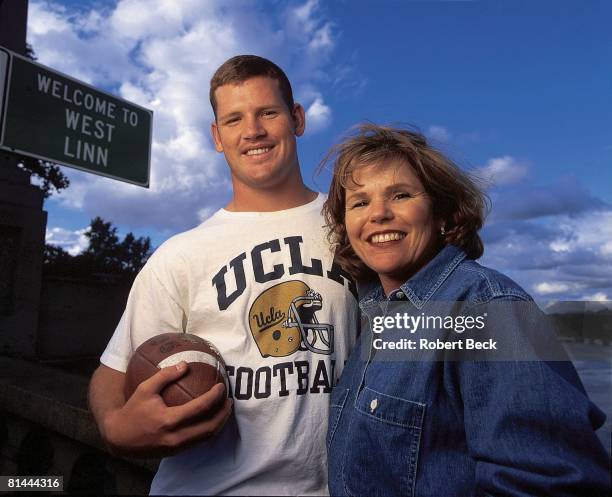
<point>530,425</point>
<point>151,309</point>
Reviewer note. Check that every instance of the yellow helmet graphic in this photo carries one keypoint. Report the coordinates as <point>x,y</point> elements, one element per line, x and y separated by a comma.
<point>282,320</point>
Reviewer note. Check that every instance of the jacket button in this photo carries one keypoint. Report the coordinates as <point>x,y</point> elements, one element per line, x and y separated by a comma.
<point>373,405</point>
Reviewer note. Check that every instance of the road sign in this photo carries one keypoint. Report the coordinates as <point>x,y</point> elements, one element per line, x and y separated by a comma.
<point>51,116</point>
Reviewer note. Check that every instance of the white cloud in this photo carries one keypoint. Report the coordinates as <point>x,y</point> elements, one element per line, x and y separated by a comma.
<point>501,171</point>
<point>73,242</point>
<point>598,297</point>
<point>592,231</point>
<point>45,18</point>
<point>557,250</point>
<point>606,249</point>
<point>560,246</point>
<point>438,133</point>
<point>303,20</point>
<point>318,116</point>
<point>204,214</point>
<point>547,288</point>
<point>58,38</point>
<point>306,25</point>
<point>161,54</point>
<point>303,14</point>
<point>322,38</point>
<point>91,22</point>
<point>318,113</point>
<point>138,19</point>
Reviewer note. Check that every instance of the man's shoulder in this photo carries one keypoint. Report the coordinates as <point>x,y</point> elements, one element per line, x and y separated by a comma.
<point>224,231</point>
<point>180,247</point>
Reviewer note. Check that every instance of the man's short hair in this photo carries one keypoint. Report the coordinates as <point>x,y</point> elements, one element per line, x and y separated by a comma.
<point>242,67</point>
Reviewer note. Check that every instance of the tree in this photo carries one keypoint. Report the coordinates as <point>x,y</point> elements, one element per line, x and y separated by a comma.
<point>105,257</point>
<point>55,256</point>
<point>134,253</point>
<point>112,256</point>
<point>103,244</point>
<point>52,178</point>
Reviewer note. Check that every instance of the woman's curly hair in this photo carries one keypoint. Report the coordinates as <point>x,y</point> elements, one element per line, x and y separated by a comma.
<point>455,197</point>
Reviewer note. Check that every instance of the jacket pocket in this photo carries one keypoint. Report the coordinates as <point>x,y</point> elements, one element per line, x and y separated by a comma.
<point>337,401</point>
<point>380,457</point>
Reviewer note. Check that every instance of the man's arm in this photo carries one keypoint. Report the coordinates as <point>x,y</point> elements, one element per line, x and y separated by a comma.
<point>144,426</point>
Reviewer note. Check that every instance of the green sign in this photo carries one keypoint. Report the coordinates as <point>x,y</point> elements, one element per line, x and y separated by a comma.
<point>48,115</point>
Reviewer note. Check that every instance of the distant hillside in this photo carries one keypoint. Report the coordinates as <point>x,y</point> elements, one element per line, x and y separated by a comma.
<point>583,325</point>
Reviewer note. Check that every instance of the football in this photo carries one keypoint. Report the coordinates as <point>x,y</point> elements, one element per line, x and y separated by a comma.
<point>206,366</point>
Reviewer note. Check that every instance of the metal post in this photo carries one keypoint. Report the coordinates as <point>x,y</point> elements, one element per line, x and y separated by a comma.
<point>13,24</point>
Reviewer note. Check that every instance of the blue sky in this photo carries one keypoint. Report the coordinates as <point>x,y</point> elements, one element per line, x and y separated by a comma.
<point>520,92</point>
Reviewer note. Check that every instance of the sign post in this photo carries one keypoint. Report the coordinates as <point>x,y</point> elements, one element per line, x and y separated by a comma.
<point>50,116</point>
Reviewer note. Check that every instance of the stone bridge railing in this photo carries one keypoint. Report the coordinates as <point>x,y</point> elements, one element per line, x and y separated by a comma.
<point>46,429</point>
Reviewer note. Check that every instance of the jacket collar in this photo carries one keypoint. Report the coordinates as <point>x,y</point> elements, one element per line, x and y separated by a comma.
<point>422,286</point>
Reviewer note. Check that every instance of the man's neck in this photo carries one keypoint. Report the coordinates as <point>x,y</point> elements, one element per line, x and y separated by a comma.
<point>270,200</point>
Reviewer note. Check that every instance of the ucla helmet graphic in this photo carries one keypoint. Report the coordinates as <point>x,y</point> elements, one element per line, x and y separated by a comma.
<point>283,319</point>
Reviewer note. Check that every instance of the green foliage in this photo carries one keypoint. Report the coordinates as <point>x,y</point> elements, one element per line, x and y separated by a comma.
<point>105,258</point>
<point>55,256</point>
<point>29,52</point>
<point>50,175</point>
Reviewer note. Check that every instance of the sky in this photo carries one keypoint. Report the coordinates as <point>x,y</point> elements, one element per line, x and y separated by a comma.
<point>518,93</point>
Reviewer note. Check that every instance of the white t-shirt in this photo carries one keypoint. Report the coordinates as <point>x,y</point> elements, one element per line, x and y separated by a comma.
<point>262,287</point>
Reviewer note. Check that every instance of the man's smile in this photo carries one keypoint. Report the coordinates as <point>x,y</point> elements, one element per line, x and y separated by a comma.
<point>258,151</point>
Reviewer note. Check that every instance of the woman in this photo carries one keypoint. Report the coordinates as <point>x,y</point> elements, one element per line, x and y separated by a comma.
<point>406,219</point>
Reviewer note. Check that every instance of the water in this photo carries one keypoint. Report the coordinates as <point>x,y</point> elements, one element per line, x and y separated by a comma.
<point>594,365</point>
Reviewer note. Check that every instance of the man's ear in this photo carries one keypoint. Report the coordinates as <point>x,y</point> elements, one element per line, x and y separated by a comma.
<point>214,131</point>
<point>299,119</point>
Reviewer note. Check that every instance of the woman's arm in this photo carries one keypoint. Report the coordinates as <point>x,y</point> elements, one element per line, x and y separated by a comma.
<point>529,424</point>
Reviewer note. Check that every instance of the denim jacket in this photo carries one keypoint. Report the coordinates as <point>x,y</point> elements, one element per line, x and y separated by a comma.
<point>440,428</point>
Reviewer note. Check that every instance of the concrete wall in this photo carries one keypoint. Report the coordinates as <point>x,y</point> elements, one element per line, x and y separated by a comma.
<point>22,235</point>
<point>77,317</point>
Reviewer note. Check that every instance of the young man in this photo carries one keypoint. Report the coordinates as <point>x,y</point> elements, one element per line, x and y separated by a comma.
<point>258,280</point>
